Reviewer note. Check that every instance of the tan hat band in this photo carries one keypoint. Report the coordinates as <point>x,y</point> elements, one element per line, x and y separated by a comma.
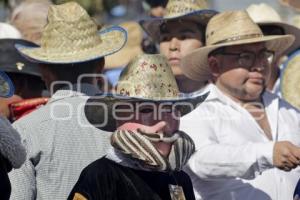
<point>175,8</point>
<point>237,38</point>
<point>178,9</point>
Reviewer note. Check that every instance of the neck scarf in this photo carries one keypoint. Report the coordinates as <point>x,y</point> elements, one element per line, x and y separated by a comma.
<point>135,149</point>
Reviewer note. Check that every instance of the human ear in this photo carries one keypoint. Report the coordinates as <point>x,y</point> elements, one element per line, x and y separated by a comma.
<point>214,66</point>
<point>47,75</point>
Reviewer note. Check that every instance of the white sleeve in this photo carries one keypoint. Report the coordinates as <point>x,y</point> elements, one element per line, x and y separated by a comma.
<point>213,160</point>
<point>216,161</point>
<point>23,180</point>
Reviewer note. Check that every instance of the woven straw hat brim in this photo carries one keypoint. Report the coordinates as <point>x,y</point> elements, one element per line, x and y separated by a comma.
<point>152,25</point>
<point>290,80</point>
<point>113,39</point>
<point>288,29</point>
<point>7,88</point>
<point>101,107</point>
<point>195,65</point>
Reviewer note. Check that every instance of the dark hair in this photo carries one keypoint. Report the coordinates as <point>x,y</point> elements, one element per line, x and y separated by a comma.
<point>202,28</point>
<point>156,3</point>
<point>71,72</point>
<point>216,51</point>
<point>26,85</point>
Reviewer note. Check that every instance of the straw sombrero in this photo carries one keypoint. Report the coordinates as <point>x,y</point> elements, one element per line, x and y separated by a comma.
<point>264,15</point>
<point>71,37</point>
<point>131,49</point>
<point>193,10</point>
<point>148,78</point>
<point>228,29</point>
<point>290,80</point>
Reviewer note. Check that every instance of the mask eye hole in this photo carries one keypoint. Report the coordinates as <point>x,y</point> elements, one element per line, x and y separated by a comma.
<point>146,110</point>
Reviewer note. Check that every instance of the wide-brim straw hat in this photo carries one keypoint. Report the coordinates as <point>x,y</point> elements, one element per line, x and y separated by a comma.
<point>228,29</point>
<point>131,49</point>
<point>71,36</point>
<point>265,15</point>
<point>191,10</point>
<point>290,80</point>
<point>12,61</point>
<point>295,4</point>
<point>147,78</point>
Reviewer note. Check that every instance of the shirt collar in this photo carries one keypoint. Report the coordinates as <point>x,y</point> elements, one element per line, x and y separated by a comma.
<point>216,94</point>
<point>82,89</point>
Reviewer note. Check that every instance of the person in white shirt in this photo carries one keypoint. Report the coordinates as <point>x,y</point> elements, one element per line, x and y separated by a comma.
<point>247,139</point>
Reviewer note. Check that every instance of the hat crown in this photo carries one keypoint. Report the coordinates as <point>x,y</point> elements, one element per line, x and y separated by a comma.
<point>68,12</point>
<point>231,26</point>
<point>263,13</point>
<point>182,7</point>
<point>148,76</point>
<point>69,29</point>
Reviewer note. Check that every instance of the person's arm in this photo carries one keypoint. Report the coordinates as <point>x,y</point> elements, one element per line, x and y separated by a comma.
<point>217,161</point>
<point>23,180</point>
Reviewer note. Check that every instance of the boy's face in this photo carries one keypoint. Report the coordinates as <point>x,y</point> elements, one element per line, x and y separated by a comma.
<point>151,118</point>
<point>177,39</point>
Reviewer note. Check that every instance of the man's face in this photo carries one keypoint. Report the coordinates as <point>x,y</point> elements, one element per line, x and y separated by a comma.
<point>242,71</point>
<point>151,118</point>
<point>177,39</point>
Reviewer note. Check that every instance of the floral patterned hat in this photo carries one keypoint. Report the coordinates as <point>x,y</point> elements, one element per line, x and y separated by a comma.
<point>147,78</point>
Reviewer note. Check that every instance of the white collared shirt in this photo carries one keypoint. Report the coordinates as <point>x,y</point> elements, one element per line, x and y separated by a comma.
<point>233,158</point>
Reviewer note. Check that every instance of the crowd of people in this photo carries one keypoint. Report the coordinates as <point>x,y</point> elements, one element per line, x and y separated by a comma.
<point>188,103</point>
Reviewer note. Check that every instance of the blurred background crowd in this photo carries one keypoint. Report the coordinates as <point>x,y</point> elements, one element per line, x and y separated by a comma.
<point>109,11</point>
